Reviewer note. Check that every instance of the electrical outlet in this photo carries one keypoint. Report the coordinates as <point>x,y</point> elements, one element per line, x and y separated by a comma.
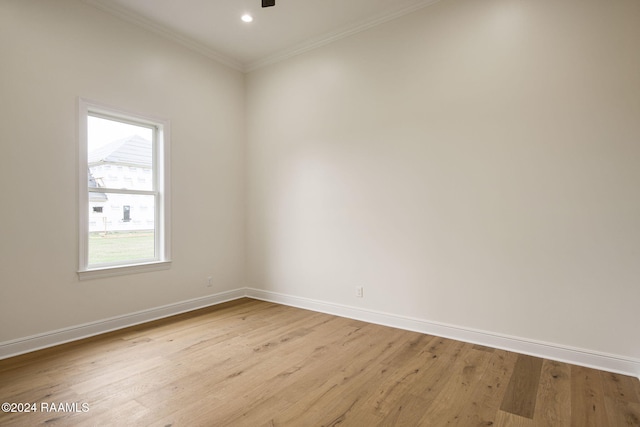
<point>209,282</point>
<point>359,292</point>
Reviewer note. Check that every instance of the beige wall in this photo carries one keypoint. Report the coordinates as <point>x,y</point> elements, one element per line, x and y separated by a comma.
<point>52,52</point>
<point>475,163</point>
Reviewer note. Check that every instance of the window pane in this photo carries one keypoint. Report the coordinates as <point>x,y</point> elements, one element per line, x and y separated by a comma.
<point>120,155</point>
<point>121,228</point>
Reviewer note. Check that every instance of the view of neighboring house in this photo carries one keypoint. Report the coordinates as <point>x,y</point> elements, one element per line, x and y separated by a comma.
<point>122,164</point>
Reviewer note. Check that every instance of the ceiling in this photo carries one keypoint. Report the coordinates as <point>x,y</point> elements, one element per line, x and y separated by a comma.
<point>214,27</point>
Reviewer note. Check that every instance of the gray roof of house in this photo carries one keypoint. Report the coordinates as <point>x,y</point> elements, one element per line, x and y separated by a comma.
<point>133,151</point>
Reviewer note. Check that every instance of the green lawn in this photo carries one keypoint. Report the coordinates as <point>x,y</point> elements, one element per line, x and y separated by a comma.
<point>121,246</point>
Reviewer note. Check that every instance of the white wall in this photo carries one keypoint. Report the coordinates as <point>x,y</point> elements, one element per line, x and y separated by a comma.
<point>52,52</point>
<point>476,163</point>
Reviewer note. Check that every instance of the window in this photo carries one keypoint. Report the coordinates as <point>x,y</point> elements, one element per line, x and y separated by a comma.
<point>126,213</point>
<point>133,235</point>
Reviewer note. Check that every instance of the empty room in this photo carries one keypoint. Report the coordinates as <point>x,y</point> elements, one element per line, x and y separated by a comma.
<point>320,213</point>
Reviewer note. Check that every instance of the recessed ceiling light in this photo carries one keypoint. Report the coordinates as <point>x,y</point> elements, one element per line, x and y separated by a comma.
<point>247,18</point>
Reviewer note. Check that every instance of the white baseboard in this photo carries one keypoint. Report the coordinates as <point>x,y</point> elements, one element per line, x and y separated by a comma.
<point>61,336</point>
<point>576,356</point>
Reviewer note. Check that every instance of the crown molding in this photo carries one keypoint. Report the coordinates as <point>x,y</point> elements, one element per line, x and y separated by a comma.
<point>278,56</point>
<point>166,32</point>
<point>336,35</point>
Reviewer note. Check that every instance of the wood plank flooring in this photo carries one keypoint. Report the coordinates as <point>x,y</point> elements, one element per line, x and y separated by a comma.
<point>253,363</point>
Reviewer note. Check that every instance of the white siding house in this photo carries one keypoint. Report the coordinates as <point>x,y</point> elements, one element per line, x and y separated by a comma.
<point>122,164</point>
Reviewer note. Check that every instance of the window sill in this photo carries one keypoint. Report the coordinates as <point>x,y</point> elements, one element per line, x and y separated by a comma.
<point>97,273</point>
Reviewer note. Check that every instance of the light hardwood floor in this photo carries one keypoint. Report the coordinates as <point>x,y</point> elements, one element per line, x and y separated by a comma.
<point>253,363</point>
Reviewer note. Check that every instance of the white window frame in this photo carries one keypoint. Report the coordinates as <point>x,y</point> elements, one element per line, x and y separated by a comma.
<point>161,191</point>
